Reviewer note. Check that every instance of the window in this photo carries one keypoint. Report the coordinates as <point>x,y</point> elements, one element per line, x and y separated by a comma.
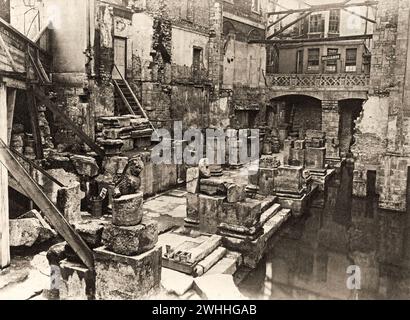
<point>256,6</point>
<point>187,10</point>
<point>331,65</point>
<point>351,60</point>
<point>197,61</point>
<point>334,21</point>
<point>313,59</point>
<point>317,23</point>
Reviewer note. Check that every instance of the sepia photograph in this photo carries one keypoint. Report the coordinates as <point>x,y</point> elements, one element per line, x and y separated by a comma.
<point>205,157</point>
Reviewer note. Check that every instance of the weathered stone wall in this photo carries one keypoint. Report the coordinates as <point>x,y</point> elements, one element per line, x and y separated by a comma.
<point>382,136</point>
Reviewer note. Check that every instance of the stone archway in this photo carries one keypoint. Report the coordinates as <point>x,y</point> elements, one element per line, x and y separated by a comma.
<point>293,115</point>
<point>350,110</point>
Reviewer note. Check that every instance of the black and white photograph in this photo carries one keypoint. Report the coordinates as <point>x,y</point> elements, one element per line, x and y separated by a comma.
<point>204,155</point>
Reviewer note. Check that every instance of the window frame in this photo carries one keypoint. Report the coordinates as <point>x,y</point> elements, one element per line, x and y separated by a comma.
<point>331,63</point>
<point>258,9</point>
<point>313,67</point>
<point>320,24</point>
<point>336,22</point>
<point>349,63</point>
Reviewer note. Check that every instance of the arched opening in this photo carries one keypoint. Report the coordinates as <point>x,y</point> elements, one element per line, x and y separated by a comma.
<point>350,110</point>
<point>293,115</point>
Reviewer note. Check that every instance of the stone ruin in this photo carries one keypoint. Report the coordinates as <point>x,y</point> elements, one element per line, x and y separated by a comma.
<point>221,205</point>
<point>129,265</point>
<point>127,258</point>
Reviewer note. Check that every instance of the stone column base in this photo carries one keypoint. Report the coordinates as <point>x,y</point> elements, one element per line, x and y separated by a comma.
<point>120,277</point>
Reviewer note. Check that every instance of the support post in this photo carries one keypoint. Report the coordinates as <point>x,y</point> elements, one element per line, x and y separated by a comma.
<point>11,102</point>
<point>4,195</point>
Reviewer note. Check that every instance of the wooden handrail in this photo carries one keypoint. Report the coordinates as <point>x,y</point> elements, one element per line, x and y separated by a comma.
<point>124,99</point>
<point>80,133</point>
<point>135,98</point>
<point>37,167</point>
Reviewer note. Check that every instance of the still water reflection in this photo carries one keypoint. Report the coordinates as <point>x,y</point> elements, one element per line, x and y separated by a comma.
<point>309,259</point>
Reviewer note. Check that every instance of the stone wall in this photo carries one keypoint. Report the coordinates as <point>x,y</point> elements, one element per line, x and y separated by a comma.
<point>382,136</point>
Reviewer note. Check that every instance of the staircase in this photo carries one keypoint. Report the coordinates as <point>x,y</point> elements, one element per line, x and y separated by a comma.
<point>128,97</point>
<point>123,95</point>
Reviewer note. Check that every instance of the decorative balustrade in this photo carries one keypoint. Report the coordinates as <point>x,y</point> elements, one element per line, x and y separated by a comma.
<point>318,80</point>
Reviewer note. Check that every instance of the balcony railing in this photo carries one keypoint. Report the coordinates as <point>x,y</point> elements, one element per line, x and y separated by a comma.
<point>318,80</point>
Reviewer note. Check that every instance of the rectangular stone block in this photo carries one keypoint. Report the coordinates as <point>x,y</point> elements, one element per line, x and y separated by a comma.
<point>210,209</point>
<point>315,158</point>
<point>315,143</point>
<point>192,180</point>
<point>77,282</point>
<point>289,179</point>
<point>298,157</point>
<point>127,210</point>
<point>266,181</point>
<point>69,202</point>
<point>242,214</point>
<point>192,209</point>
<point>120,277</point>
<point>133,240</point>
<point>235,193</point>
<point>128,144</point>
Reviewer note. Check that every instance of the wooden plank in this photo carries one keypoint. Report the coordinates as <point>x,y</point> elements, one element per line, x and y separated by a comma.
<point>33,112</point>
<point>303,16</point>
<point>11,102</point>
<point>359,15</point>
<point>4,193</point>
<point>80,133</point>
<point>47,207</point>
<point>277,21</point>
<point>330,39</point>
<point>326,7</point>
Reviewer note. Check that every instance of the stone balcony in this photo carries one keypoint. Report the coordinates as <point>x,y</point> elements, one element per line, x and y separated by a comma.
<point>341,81</point>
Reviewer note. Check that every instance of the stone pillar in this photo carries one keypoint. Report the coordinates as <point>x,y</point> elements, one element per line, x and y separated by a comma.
<point>331,126</point>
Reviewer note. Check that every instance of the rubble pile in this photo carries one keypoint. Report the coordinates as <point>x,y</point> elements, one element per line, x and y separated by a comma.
<point>123,133</point>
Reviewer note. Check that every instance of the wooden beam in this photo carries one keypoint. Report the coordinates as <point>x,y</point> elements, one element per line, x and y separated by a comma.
<point>11,102</point>
<point>72,126</point>
<point>8,54</point>
<point>57,220</point>
<point>359,15</point>
<point>4,193</point>
<point>33,113</point>
<point>290,24</point>
<point>315,40</point>
<point>325,7</point>
<point>279,20</point>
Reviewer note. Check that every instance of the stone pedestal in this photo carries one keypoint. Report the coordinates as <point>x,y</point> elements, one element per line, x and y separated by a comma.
<point>289,180</point>
<point>77,282</point>
<point>120,277</point>
<point>127,210</point>
<point>132,240</point>
<point>69,202</point>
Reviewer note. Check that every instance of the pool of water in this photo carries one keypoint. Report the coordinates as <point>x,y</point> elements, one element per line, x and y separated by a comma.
<point>346,249</point>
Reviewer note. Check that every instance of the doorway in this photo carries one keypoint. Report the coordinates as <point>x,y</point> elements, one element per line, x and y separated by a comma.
<point>120,57</point>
